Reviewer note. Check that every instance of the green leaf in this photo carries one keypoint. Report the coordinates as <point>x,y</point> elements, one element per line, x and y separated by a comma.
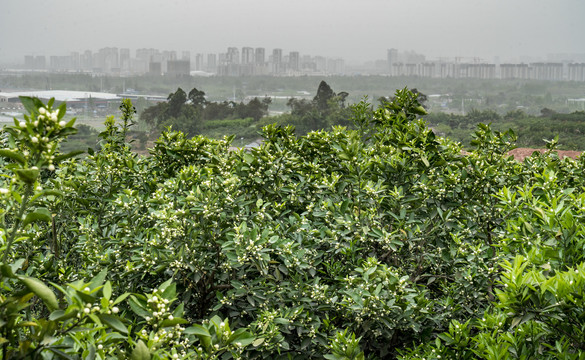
<point>178,312</point>
<point>248,158</point>
<point>16,156</point>
<point>68,155</point>
<point>40,214</point>
<point>61,354</point>
<point>107,290</point>
<point>445,337</point>
<point>71,122</point>
<point>29,176</point>
<point>419,110</point>
<point>169,291</point>
<point>61,315</point>
<point>197,330</point>
<point>6,271</point>
<point>29,104</point>
<point>113,322</point>
<point>47,192</point>
<point>67,131</point>
<point>62,110</point>
<point>333,357</point>
<point>91,351</point>
<point>121,298</point>
<point>41,290</point>
<point>140,352</point>
<point>98,280</point>
<point>138,310</point>
<point>175,321</point>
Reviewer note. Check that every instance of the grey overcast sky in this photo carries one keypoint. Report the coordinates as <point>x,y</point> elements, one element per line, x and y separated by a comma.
<point>357,30</point>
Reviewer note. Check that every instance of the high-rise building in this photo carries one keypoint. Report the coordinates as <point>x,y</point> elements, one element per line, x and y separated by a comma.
<point>392,58</point>
<point>320,63</point>
<point>277,61</point>
<point>233,55</point>
<point>576,72</point>
<point>259,56</point>
<point>335,66</point>
<point>199,62</point>
<point>547,71</point>
<point>125,59</point>
<point>212,62</point>
<point>40,62</point>
<point>75,61</point>
<point>86,60</point>
<point>247,55</point>
<point>107,59</point>
<point>29,62</point>
<point>178,68</point>
<point>294,61</point>
<point>146,54</point>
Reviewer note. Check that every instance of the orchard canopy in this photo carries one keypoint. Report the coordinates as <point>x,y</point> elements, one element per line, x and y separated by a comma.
<point>375,241</point>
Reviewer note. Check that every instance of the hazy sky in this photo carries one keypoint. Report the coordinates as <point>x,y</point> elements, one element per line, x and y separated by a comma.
<point>353,29</point>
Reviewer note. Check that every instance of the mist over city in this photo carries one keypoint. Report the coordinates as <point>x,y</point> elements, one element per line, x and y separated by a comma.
<point>356,31</point>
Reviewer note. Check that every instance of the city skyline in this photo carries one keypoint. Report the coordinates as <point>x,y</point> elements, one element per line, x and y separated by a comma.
<point>576,57</point>
<point>255,61</point>
<point>357,31</point>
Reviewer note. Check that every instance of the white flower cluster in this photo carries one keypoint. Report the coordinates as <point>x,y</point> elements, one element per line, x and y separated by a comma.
<point>161,308</point>
<point>42,127</point>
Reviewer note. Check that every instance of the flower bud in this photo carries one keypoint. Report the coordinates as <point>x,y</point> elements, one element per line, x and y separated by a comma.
<point>42,110</point>
<point>34,139</point>
<point>22,124</point>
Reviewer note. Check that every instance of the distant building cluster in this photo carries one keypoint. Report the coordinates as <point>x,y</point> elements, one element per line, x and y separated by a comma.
<point>257,62</point>
<point>416,65</point>
<point>235,62</point>
<point>112,60</point>
<point>248,61</point>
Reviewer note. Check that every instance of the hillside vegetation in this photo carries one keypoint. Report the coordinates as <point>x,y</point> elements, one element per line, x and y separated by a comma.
<point>382,241</point>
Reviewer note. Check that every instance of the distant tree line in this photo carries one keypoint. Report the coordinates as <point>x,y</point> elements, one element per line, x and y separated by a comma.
<point>193,114</point>
<point>532,131</point>
<point>326,109</point>
<point>189,112</point>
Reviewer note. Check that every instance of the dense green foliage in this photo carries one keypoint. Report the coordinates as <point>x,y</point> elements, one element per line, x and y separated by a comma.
<point>533,131</point>
<point>381,241</point>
